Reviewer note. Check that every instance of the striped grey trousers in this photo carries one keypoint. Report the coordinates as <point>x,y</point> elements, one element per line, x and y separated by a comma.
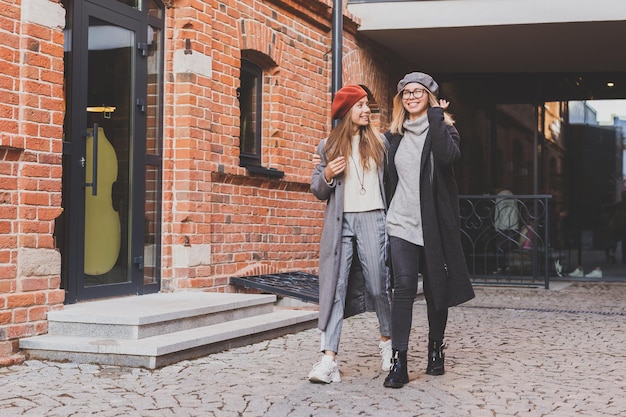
<point>367,229</point>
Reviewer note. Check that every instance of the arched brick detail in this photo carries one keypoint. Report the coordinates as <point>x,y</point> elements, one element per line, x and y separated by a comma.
<point>353,73</point>
<point>358,68</point>
<point>258,268</point>
<point>256,36</point>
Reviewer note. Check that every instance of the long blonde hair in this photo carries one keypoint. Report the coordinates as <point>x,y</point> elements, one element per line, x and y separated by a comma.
<point>371,146</point>
<point>399,114</point>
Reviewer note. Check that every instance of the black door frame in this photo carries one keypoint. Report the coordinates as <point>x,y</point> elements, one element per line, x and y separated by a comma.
<point>74,149</point>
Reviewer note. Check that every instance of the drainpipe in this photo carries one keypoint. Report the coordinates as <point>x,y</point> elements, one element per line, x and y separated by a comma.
<point>536,171</point>
<point>337,45</point>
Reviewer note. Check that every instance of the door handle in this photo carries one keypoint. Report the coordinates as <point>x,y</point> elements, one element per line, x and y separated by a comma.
<point>94,162</point>
<point>138,260</point>
<point>141,103</point>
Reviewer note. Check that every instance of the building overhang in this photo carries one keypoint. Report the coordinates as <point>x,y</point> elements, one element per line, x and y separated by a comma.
<point>565,48</point>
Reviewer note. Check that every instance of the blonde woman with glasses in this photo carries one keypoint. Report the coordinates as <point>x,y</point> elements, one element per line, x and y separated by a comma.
<point>423,219</point>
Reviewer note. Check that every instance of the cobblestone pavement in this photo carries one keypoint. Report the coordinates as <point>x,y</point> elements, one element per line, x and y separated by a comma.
<point>512,352</point>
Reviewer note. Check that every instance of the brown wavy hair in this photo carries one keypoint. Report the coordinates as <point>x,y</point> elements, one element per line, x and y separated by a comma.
<point>371,145</point>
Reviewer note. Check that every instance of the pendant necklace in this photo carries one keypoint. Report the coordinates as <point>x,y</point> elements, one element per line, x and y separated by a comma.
<point>361,180</point>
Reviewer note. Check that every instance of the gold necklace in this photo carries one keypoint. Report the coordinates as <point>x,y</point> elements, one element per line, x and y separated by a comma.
<point>361,180</point>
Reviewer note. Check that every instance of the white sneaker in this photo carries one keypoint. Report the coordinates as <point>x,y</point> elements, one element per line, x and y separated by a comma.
<point>578,272</point>
<point>325,371</point>
<point>386,354</point>
<point>596,273</point>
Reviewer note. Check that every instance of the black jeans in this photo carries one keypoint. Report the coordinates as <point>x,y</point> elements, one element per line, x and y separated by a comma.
<point>407,260</point>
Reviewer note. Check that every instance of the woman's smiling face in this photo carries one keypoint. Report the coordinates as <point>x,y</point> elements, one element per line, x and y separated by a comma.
<point>360,113</point>
<point>415,99</point>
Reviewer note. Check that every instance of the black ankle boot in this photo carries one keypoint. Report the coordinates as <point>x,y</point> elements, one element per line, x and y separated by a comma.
<point>435,358</point>
<point>399,374</point>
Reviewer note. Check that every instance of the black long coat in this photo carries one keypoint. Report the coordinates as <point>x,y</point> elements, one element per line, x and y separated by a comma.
<point>445,265</point>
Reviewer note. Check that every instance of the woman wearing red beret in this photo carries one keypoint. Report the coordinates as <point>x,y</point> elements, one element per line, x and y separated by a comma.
<point>349,178</point>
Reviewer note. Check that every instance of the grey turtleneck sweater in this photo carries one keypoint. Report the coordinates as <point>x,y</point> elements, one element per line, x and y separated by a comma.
<point>404,219</point>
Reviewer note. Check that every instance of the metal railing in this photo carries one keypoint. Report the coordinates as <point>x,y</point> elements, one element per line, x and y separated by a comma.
<point>506,238</point>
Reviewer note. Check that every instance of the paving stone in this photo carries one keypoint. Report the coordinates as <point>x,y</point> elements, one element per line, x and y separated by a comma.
<point>511,352</point>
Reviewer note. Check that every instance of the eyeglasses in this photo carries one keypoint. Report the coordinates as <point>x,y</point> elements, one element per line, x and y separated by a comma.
<point>417,93</point>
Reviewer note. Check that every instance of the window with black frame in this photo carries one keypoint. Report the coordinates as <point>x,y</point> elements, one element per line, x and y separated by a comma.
<point>250,106</point>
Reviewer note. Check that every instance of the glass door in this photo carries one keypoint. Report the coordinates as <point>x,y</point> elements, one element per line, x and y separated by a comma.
<point>104,155</point>
<point>107,168</point>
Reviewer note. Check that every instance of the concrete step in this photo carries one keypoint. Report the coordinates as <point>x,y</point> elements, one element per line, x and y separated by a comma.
<point>154,314</point>
<point>151,349</point>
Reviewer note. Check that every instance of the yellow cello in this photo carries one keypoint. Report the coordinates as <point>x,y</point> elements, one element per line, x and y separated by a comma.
<point>102,222</point>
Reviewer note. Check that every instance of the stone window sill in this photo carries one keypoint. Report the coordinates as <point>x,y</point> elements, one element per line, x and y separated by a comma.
<point>268,172</point>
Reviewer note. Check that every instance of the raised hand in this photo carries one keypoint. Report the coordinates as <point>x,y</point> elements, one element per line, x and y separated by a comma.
<point>444,104</point>
<point>334,168</point>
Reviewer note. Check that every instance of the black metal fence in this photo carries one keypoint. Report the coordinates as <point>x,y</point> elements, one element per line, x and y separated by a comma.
<point>506,238</point>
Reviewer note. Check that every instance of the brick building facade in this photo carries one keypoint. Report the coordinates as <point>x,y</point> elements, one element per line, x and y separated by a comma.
<point>31,131</point>
<point>149,146</point>
<point>210,218</point>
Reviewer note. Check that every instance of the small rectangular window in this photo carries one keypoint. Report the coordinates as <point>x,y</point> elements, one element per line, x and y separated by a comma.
<point>250,106</point>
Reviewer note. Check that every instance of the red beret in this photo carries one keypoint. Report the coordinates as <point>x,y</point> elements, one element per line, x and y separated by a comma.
<point>344,99</point>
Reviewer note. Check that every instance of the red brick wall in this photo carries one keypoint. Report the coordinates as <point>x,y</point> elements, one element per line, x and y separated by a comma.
<point>220,221</point>
<point>31,119</point>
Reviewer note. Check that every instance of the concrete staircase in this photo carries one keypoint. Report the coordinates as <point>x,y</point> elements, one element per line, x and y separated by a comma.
<point>155,330</point>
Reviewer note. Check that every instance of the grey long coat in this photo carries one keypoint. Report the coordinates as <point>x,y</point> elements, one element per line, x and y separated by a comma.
<point>445,265</point>
<point>357,298</point>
